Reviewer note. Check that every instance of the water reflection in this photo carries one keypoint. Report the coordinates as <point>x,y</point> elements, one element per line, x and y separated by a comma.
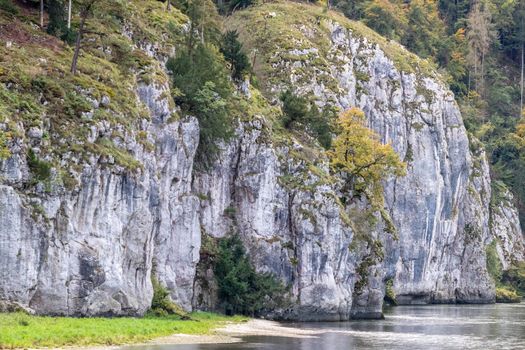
<point>500,326</point>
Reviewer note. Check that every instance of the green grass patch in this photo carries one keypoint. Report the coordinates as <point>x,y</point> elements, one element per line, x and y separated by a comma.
<point>19,330</point>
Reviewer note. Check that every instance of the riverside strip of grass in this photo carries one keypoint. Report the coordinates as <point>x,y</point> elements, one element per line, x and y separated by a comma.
<point>18,330</point>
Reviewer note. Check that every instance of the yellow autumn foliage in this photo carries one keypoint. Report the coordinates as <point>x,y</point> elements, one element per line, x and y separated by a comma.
<point>4,149</point>
<point>358,151</point>
<point>520,128</point>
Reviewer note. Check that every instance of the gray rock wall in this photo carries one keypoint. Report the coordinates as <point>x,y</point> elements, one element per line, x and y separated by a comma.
<point>506,230</point>
<point>89,251</point>
<point>92,250</point>
<point>441,207</point>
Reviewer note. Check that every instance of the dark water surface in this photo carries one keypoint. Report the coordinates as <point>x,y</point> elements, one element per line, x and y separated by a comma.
<point>500,327</point>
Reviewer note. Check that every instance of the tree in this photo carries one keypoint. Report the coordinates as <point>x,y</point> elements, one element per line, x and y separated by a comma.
<point>59,20</point>
<point>358,152</point>
<point>42,14</point>
<point>425,31</point>
<point>201,87</point>
<point>84,13</point>
<point>454,12</point>
<point>241,288</point>
<point>231,48</point>
<point>214,121</point>
<point>479,36</point>
<point>520,36</point>
<point>191,72</point>
<point>205,23</point>
<point>69,9</point>
<point>351,8</point>
<point>382,16</point>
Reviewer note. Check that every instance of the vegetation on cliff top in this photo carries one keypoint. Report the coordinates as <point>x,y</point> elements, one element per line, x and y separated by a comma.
<point>37,89</point>
<point>273,37</point>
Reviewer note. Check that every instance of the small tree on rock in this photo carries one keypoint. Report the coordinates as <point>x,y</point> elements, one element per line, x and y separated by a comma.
<point>231,48</point>
<point>358,152</point>
<point>84,13</point>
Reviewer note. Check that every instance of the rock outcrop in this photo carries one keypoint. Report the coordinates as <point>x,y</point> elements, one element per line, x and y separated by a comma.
<point>91,250</point>
<point>506,230</point>
<point>441,208</point>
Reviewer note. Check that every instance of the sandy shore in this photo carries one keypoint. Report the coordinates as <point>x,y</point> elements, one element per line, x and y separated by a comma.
<point>233,333</point>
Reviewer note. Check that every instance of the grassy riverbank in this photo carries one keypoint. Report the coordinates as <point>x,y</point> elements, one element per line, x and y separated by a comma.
<point>18,330</point>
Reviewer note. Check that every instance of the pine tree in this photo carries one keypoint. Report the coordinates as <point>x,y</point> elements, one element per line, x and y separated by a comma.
<point>231,48</point>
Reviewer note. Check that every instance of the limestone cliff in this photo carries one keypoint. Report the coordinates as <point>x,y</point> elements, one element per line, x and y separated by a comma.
<point>137,205</point>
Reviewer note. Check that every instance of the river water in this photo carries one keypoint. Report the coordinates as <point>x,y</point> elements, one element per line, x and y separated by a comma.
<point>499,326</point>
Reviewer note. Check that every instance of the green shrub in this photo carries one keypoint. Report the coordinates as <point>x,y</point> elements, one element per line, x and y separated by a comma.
<point>241,289</point>
<point>297,110</point>
<point>515,277</point>
<point>40,169</point>
<point>390,294</point>
<point>4,148</point>
<point>507,295</point>
<point>161,304</point>
<point>494,266</point>
<point>9,7</point>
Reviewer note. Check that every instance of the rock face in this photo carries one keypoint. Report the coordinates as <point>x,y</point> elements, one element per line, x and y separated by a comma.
<point>441,208</point>
<point>290,220</point>
<point>91,250</point>
<point>506,230</point>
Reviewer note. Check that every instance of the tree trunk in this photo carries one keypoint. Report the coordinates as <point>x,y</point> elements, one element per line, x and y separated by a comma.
<point>253,65</point>
<point>69,15</point>
<point>168,5</point>
<point>83,14</point>
<point>521,100</point>
<point>482,87</point>
<point>42,14</point>
<point>190,38</point>
<point>476,73</point>
<point>77,45</point>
